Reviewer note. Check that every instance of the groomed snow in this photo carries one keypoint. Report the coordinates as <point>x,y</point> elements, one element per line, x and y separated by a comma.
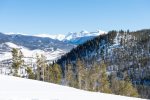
<point>14,88</point>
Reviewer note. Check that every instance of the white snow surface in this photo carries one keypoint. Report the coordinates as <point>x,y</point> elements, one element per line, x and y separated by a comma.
<point>83,33</point>
<point>50,55</point>
<point>12,45</point>
<point>15,88</point>
<point>56,37</point>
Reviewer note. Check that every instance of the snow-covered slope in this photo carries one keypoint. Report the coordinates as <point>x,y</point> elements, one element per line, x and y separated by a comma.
<point>14,88</point>
<point>50,54</point>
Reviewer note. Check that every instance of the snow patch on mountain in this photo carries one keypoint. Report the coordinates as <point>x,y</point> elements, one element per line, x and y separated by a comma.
<point>71,35</point>
<point>56,36</point>
<point>15,88</point>
<point>18,33</point>
<point>12,45</point>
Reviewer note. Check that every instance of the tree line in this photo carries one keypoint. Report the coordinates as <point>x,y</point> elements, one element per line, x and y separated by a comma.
<point>78,76</point>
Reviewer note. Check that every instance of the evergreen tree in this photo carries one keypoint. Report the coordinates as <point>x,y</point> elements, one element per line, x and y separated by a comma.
<point>121,87</point>
<point>69,76</point>
<point>41,67</point>
<point>93,77</point>
<point>17,60</point>
<point>55,73</point>
<point>104,85</point>
<point>51,74</point>
<point>80,73</point>
<point>31,75</point>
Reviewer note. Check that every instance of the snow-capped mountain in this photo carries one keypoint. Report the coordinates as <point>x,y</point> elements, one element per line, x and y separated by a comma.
<point>56,37</point>
<point>53,46</point>
<point>81,37</point>
<point>72,36</point>
<point>31,45</point>
<point>33,42</point>
<point>15,88</point>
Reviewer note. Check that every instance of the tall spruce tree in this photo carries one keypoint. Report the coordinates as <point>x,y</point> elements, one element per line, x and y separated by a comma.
<point>104,85</point>
<point>122,87</point>
<point>80,73</point>
<point>56,74</point>
<point>41,67</point>
<point>30,73</point>
<point>17,60</point>
<point>69,75</point>
<point>71,78</point>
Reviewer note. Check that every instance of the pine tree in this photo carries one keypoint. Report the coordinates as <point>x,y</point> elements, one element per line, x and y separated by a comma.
<point>17,60</point>
<point>47,74</point>
<point>93,76</point>
<point>57,73</point>
<point>80,73</point>
<point>121,87</point>
<point>71,78</point>
<point>30,73</point>
<point>41,67</point>
<point>51,73</point>
<point>69,75</point>
<point>128,89</point>
<point>104,85</point>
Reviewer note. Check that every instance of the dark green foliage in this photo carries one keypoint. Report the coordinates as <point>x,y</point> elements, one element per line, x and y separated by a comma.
<point>31,75</point>
<point>41,67</point>
<point>103,80</point>
<point>123,87</point>
<point>55,73</point>
<point>71,78</point>
<point>17,59</point>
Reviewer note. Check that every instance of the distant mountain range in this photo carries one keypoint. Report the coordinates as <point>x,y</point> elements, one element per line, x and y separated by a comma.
<point>71,37</point>
<point>53,46</point>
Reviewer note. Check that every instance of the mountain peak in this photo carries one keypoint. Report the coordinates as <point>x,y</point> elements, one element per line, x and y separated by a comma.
<point>83,33</point>
<point>55,36</point>
<point>67,37</point>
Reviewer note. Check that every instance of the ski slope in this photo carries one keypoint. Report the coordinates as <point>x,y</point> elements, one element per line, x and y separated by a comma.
<point>14,88</point>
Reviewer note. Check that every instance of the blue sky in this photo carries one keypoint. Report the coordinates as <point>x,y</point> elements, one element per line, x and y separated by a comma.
<point>63,16</point>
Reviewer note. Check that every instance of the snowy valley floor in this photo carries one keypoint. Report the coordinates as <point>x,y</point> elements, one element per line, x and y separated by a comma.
<point>14,88</point>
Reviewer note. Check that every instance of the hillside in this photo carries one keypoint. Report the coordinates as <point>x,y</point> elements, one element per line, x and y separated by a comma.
<point>14,88</point>
<point>125,54</point>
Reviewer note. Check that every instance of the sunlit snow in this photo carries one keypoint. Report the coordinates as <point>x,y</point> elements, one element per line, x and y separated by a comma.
<point>14,88</point>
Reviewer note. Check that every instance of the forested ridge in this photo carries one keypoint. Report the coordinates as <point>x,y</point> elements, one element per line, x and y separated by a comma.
<point>124,54</point>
